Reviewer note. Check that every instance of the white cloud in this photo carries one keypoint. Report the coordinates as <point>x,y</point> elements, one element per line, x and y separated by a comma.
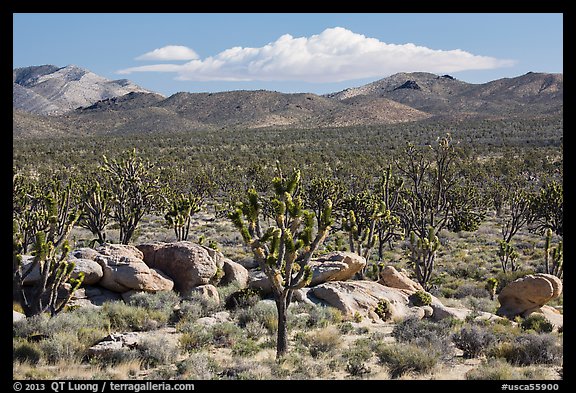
<point>170,52</point>
<point>335,55</point>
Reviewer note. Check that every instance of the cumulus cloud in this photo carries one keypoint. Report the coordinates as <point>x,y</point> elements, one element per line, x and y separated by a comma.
<point>170,52</point>
<point>335,55</point>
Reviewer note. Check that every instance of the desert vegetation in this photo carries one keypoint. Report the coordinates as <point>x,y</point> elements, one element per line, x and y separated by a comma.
<point>463,212</point>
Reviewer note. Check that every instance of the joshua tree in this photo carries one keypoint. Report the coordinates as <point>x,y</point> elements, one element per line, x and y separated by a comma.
<point>547,209</point>
<point>553,256</point>
<point>491,285</point>
<point>50,250</point>
<point>95,203</point>
<point>365,212</point>
<point>135,191</point>
<point>284,249</point>
<point>435,196</point>
<point>180,213</point>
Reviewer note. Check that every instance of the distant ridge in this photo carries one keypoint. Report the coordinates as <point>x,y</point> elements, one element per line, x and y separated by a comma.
<point>50,90</point>
<point>81,102</point>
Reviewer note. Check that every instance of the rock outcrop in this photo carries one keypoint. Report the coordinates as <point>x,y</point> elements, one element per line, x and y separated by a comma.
<point>362,297</point>
<point>391,277</point>
<point>528,294</point>
<point>187,264</point>
<point>123,269</point>
<point>335,266</point>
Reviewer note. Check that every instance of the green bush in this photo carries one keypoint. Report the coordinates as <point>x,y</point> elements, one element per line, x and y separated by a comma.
<point>164,301</point>
<point>434,336</point>
<point>245,347</point>
<point>157,351</point>
<point>474,340</point>
<point>124,317</point>
<point>528,349</point>
<point>263,313</point>
<point>322,341</point>
<point>246,297</point>
<point>383,309</point>
<point>420,298</point>
<point>499,370</point>
<point>24,351</point>
<point>194,339</point>
<point>62,346</point>
<point>225,334</point>
<point>404,358</point>
<point>356,357</point>
<point>198,366</point>
<point>197,306</point>
<point>537,323</point>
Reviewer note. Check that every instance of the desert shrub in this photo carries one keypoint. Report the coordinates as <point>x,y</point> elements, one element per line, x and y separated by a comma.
<point>32,326</point>
<point>89,336</point>
<point>480,304</point>
<point>198,366</point>
<point>254,330</point>
<point>528,349</point>
<point>537,323</point>
<point>245,347</point>
<point>356,357</point>
<point>474,340</point>
<point>62,346</point>
<point>383,310</point>
<point>420,298</point>
<point>194,339</point>
<point>499,370</point>
<point>263,313</point>
<point>24,351</point>
<point>162,301</point>
<point>404,358</point>
<point>125,317</point>
<point>345,327</point>
<point>246,297</point>
<point>197,306</point>
<point>116,357</point>
<point>471,290</point>
<point>307,316</point>
<point>225,334</point>
<point>155,351</point>
<point>322,341</point>
<point>435,336</point>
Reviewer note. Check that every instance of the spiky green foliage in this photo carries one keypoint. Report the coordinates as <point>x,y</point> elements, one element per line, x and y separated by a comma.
<point>553,256</point>
<point>179,214</point>
<point>547,209</point>
<point>95,204</point>
<point>423,254</point>
<point>436,195</point>
<point>508,256</point>
<point>388,228</point>
<point>55,216</point>
<point>135,189</point>
<point>367,216</point>
<point>284,249</point>
<point>491,285</point>
<point>420,298</point>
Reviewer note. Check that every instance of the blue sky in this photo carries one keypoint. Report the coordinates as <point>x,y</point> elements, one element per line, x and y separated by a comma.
<point>318,53</point>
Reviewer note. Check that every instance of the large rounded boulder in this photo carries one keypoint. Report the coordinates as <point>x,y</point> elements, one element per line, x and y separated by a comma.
<point>189,265</point>
<point>528,294</point>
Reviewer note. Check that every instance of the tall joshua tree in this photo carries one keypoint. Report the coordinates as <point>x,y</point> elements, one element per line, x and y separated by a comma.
<point>135,190</point>
<point>54,220</point>
<point>284,249</point>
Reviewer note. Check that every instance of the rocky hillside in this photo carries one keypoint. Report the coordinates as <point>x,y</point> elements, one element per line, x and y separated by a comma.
<point>81,103</point>
<point>50,90</point>
<point>532,93</point>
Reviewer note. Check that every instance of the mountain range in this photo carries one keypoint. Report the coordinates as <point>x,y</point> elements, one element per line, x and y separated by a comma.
<point>53,101</point>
